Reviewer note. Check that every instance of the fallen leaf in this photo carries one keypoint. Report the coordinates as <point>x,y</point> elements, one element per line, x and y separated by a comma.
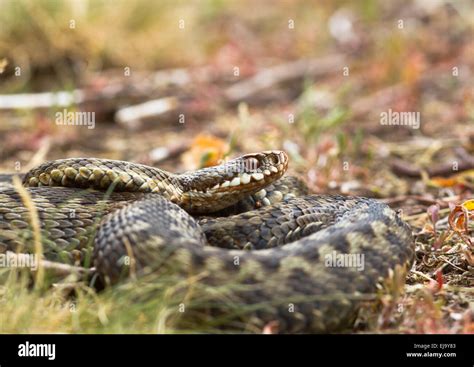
<point>206,150</point>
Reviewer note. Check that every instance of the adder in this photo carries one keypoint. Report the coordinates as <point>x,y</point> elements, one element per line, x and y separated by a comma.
<point>240,223</point>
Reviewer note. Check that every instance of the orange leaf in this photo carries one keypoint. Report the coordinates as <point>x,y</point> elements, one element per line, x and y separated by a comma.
<point>457,219</point>
<point>206,150</point>
<point>444,182</point>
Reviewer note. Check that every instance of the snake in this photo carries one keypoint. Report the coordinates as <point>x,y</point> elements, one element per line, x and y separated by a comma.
<point>307,262</point>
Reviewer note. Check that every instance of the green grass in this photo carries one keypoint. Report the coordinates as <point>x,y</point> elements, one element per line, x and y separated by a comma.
<point>153,304</point>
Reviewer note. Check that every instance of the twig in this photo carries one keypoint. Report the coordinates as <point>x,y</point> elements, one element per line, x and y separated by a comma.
<point>60,269</point>
<point>283,73</point>
<point>114,89</point>
<point>161,154</point>
<point>421,199</point>
<point>53,267</point>
<point>446,262</point>
<point>421,274</point>
<point>41,100</point>
<point>463,155</point>
<point>133,116</point>
<point>406,169</point>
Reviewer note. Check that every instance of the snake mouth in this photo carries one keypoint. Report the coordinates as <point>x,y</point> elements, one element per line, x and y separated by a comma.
<point>249,172</point>
<point>253,170</point>
<point>211,189</point>
<point>246,174</point>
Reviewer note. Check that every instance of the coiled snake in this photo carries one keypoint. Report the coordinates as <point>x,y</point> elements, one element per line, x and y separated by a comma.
<point>309,259</point>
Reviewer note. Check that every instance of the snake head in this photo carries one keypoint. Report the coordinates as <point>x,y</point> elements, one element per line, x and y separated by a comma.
<point>214,188</point>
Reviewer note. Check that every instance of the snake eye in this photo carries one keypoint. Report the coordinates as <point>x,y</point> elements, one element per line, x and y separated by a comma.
<point>273,159</point>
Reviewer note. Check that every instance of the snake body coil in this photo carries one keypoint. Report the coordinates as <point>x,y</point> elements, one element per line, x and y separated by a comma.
<point>294,255</point>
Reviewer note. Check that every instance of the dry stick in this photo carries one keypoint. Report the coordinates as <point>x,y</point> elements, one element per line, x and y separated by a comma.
<point>41,100</point>
<point>406,169</point>
<point>65,269</point>
<point>131,116</point>
<point>283,73</point>
<point>444,203</point>
<point>463,155</point>
<point>35,224</point>
<point>55,268</point>
<point>466,162</point>
<point>446,262</point>
<point>423,213</point>
<point>180,78</point>
<point>122,88</point>
<point>421,274</point>
<point>418,198</point>
<point>160,154</point>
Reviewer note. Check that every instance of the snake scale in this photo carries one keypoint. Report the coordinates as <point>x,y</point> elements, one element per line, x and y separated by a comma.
<point>238,223</point>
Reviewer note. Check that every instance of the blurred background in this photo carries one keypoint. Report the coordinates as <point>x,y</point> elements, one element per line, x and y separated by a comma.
<point>226,77</point>
<point>184,84</point>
